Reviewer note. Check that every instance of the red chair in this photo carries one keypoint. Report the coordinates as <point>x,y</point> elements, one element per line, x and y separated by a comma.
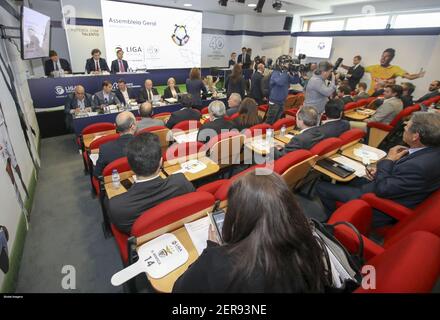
<point>205,110</point>
<point>257,130</point>
<point>225,149</point>
<point>181,150</point>
<point>351,137</point>
<point>289,123</point>
<point>163,215</point>
<point>162,132</point>
<point>326,147</point>
<point>291,112</point>
<point>187,125</point>
<point>294,167</point>
<point>431,101</point>
<point>95,144</point>
<point>93,128</point>
<point>378,130</point>
<point>350,106</point>
<point>164,116</point>
<point>138,118</point>
<point>234,116</point>
<point>364,102</point>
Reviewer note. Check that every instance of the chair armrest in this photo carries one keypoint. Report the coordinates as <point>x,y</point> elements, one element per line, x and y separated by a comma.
<point>389,207</point>
<point>379,125</point>
<point>212,187</point>
<point>357,212</point>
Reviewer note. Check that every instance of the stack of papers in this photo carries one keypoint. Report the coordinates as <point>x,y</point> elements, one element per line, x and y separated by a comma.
<point>359,168</point>
<point>366,111</point>
<point>198,232</point>
<point>367,152</point>
<point>189,137</point>
<point>192,166</point>
<point>263,145</point>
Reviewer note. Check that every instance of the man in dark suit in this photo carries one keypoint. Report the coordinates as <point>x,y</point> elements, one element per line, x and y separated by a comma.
<point>217,123</point>
<point>344,94</point>
<point>96,64</point>
<point>307,119</point>
<point>256,84</point>
<point>354,73</point>
<point>75,103</point>
<point>244,58</point>
<point>147,93</point>
<point>123,93</point>
<point>119,65</point>
<point>110,151</point>
<point>145,159</point>
<point>408,175</point>
<point>105,97</point>
<point>233,60</point>
<point>334,126</point>
<point>56,64</point>
<point>434,91</point>
<point>186,113</point>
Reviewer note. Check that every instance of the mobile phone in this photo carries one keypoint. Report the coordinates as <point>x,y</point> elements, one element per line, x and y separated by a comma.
<point>217,219</point>
<point>126,183</point>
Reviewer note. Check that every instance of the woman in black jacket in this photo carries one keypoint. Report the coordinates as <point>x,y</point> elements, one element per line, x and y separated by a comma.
<point>171,90</point>
<point>268,244</point>
<point>194,86</point>
<point>235,82</point>
<point>247,115</point>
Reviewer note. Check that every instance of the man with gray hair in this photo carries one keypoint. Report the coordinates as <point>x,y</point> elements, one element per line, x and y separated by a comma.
<point>307,120</point>
<point>233,104</point>
<point>408,175</point>
<point>217,123</point>
<point>110,151</point>
<point>145,110</point>
<point>317,90</point>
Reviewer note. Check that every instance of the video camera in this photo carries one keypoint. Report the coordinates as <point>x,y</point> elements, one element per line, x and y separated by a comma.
<point>287,63</point>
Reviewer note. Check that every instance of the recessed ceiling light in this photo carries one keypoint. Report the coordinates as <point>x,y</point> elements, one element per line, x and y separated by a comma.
<point>187,5</point>
<point>252,5</point>
<point>282,11</point>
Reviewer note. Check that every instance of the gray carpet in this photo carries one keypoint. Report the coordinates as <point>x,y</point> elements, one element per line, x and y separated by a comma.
<point>66,228</point>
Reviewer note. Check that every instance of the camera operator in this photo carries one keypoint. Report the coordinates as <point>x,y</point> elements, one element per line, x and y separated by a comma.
<point>318,91</point>
<point>280,80</point>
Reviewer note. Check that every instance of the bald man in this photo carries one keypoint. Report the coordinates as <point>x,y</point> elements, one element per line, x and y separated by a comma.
<point>75,103</point>
<point>110,151</point>
<point>256,84</point>
<point>146,110</point>
<point>147,93</point>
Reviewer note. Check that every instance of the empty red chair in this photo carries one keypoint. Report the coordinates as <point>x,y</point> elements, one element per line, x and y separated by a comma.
<point>162,215</point>
<point>187,125</point>
<point>287,122</point>
<point>350,106</point>
<point>351,137</point>
<point>326,147</point>
<point>180,150</point>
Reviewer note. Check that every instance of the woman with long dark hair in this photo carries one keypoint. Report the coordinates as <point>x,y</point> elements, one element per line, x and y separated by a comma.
<point>235,82</point>
<point>268,244</point>
<point>247,115</point>
<point>194,86</point>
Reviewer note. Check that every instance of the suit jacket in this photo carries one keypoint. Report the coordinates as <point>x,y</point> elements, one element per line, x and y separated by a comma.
<point>48,66</point>
<point>409,180</point>
<point>182,115</point>
<point>247,60</point>
<point>127,207</point>
<point>387,111</point>
<point>72,102</point>
<point>120,96</point>
<point>115,66</point>
<point>213,128</point>
<point>194,87</point>
<point>143,95</point>
<point>100,100</point>
<point>111,151</point>
<point>429,95</point>
<point>346,99</point>
<point>305,140</point>
<point>90,65</point>
<point>257,87</point>
<point>231,63</point>
<point>407,101</point>
<point>334,128</point>
<point>235,87</point>
<point>378,93</point>
<point>148,123</point>
<point>168,94</point>
<point>356,76</point>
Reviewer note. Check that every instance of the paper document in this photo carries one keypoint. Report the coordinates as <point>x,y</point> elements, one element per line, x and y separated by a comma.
<point>191,166</point>
<point>198,232</point>
<point>358,167</point>
<point>92,114</point>
<point>171,100</point>
<point>369,152</point>
<point>263,145</point>
<point>188,137</point>
<point>94,157</point>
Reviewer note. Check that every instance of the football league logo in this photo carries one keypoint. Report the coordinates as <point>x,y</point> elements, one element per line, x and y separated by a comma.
<point>321,45</point>
<point>180,35</point>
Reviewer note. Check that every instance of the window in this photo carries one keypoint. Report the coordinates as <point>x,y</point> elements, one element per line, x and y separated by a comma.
<point>418,20</point>
<point>326,25</point>
<point>367,23</point>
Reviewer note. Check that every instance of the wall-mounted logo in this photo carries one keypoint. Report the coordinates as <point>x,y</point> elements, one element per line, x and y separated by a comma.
<point>152,51</point>
<point>217,43</point>
<point>180,35</point>
<point>59,90</point>
<point>321,45</point>
<point>117,48</point>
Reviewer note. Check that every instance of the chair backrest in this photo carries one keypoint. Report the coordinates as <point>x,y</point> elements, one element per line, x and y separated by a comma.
<point>138,118</point>
<point>363,102</point>
<point>225,149</point>
<point>205,110</point>
<point>234,116</point>
<point>326,147</point>
<point>257,130</point>
<point>120,164</point>
<point>187,125</point>
<point>161,131</point>
<point>350,106</point>
<point>98,127</point>
<point>95,144</point>
<point>294,166</point>
<point>289,123</point>
<point>351,137</point>
<point>182,150</point>
<point>404,113</point>
<point>170,211</point>
<point>164,116</point>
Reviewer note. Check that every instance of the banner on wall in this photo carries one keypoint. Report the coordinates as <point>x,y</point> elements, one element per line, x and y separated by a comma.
<point>215,50</point>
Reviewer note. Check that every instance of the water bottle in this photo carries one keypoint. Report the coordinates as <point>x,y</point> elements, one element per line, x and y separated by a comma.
<point>269,135</point>
<point>283,130</point>
<point>116,180</point>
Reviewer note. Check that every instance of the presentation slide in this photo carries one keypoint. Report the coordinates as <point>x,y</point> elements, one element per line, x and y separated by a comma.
<point>35,31</point>
<point>314,47</point>
<point>152,37</point>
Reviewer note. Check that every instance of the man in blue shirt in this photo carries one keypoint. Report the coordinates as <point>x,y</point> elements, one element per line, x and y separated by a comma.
<point>280,81</point>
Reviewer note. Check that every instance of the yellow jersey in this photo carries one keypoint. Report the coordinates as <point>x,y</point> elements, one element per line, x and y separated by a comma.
<point>379,73</point>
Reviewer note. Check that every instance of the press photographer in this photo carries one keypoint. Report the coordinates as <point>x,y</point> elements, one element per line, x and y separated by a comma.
<point>318,90</point>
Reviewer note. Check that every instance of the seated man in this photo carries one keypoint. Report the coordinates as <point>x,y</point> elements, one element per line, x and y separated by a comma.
<point>105,97</point>
<point>407,175</point>
<point>344,94</point>
<point>96,64</point>
<point>307,120</point>
<point>123,93</point>
<point>145,110</point>
<point>77,102</point>
<point>56,64</point>
<point>234,102</point>
<point>186,113</point>
<point>379,89</point>
<point>361,90</point>
<point>434,91</point>
<point>147,93</point>
<point>145,158</point>
<point>217,123</point>
<point>110,151</point>
<point>334,126</point>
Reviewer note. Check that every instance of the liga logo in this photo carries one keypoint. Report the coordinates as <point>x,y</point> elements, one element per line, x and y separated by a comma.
<point>60,90</point>
<point>321,45</point>
<point>180,35</point>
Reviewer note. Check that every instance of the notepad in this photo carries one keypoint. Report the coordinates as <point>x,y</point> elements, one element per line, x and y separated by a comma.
<point>198,232</point>
<point>369,152</point>
<point>188,137</point>
<point>359,168</point>
<point>94,158</point>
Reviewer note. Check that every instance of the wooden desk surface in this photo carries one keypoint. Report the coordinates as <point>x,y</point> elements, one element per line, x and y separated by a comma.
<point>354,114</point>
<point>211,168</point>
<point>349,153</point>
<point>331,175</point>
<point>112,192</point>
<point>88,138</point>
<point>285,139</point>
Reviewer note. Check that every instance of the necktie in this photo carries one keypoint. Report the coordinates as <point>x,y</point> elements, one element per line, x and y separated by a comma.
<point>96,65</point>
<point>150,96</point>
<point>56,66</point>
<point>121,66</point>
